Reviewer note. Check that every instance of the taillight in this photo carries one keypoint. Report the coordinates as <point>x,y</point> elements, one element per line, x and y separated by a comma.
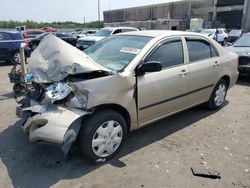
<point>238,60</point>
<point>26,42</point>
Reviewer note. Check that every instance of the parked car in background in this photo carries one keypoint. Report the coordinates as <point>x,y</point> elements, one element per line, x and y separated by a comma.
<point>234,34</point>
<point>86,33</point>
<point>33,43</point>
<point>195,30</point>
<point>9,46</point>
<point>87,41</point>
<point>120,84</point>
<point>220,35</point>
<point>242,48</point>
<point>21,28</point>
<point>49,29</point>
<point>32,33</point>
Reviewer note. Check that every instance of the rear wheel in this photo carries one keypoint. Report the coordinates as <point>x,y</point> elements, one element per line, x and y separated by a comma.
<point>101,135</point>
<point>17,88</point>
<point>224,42</point>
<point>16,58</point>
<point>218,96</point>
<point>33,46</point>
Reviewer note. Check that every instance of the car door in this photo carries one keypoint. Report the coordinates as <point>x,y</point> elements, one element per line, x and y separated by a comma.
<point>164,92</point>
<point>5,46</point>
<point>204,69</point>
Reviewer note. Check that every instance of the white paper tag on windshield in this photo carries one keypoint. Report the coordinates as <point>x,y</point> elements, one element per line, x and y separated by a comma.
<point>130,50</point>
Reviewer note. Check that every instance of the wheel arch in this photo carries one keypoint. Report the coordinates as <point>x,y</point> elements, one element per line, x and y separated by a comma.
<point>227,79</point>
<point>116,107</point>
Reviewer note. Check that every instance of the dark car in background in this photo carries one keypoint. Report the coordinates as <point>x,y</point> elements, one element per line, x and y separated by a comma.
<point>32,33</point>
<point>242,48</point>
<point>10,43</point>
<point>33,43</point>
<point>234,34</point>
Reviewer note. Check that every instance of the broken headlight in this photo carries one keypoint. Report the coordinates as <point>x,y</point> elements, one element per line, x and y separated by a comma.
<point>57,91</point>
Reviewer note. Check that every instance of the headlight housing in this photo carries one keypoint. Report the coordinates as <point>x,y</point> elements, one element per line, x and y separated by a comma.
<point>57,91</point>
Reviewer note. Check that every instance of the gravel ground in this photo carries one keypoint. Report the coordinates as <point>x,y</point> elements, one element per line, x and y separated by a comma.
<point>160,155</point>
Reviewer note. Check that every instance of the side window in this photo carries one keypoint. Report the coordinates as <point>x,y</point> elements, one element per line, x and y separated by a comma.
<point>128,30</point>
<point>1,37</point>
<point>200,49</point>
<point>117,31</point>
<point>5,36</point>
<point>169,54</point>
<point>213,51</point>
<point>220,32</point>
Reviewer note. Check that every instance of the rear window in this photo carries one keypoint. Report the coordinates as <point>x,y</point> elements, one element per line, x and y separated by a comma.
<point>34,32</point>
<point>200,49</point>
<point>10,36</point>
<point>5,36</point>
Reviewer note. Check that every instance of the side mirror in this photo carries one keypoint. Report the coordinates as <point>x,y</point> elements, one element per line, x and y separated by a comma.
<point>151,66</point>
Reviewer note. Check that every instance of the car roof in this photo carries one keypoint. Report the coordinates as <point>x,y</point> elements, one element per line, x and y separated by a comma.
<point>35,30</point>
<point>119,28</point>
<point>11,32</point>
<point>156,33</point>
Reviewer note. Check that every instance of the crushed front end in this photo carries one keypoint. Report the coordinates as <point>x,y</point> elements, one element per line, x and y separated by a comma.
<point>51,113</point>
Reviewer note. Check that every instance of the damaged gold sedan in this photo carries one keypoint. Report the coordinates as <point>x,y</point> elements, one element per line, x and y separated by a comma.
<point>121,83</point>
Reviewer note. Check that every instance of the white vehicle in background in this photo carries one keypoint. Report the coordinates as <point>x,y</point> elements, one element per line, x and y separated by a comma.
<point>86,33</point>
<point>220,32</point>
<point>87,41</point>
<point>21,29</point>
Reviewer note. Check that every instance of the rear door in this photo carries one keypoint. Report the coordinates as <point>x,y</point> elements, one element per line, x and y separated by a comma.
<point>204,68</point>
<point>164,92</point>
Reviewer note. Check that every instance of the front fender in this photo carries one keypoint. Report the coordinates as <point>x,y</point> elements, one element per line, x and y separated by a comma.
<point>54,124</point>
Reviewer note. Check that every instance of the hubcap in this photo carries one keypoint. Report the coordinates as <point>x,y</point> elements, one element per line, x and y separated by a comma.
<point>220,95</point>
<point>17,57</point>
<point>107,139</point>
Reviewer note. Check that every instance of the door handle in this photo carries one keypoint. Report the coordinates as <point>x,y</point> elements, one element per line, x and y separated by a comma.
<point>216,64</point>
<point>183,72</point>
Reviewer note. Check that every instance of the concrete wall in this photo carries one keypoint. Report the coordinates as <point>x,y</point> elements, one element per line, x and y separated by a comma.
<point>180,12</point>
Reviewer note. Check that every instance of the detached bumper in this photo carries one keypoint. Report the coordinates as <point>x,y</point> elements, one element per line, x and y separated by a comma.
<point>51,123</point>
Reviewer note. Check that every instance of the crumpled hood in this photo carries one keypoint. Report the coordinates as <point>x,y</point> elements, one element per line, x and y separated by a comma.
<point>55,59</point>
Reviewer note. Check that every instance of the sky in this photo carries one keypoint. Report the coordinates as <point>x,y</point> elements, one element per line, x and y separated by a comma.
<point>63,10</point>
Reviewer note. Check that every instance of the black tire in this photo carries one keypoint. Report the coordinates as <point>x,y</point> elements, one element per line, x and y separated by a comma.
<point>15,58</point>
<point>33,46</point>
<point>224,42</point>
<point>88,131</point>
<point>17,88</point>
<point>212,104</point>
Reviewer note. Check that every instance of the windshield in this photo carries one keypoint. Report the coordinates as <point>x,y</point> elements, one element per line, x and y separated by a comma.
<point>41,36</point>
<point>235,32</point>
<point>104,32</point>
<point>244,41</point>
<point>117,52</point>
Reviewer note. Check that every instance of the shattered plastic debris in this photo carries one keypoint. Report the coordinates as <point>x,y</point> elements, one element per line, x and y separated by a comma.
<point>205,172</point>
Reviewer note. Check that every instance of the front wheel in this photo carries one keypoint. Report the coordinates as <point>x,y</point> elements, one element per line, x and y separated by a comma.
<point>101,135</point>
<point>218,96</point>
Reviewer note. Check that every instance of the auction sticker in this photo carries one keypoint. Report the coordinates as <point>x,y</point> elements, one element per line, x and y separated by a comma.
<point>130,50</point>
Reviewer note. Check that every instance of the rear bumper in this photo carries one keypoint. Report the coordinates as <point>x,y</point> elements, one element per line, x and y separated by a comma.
<point>244,70</point>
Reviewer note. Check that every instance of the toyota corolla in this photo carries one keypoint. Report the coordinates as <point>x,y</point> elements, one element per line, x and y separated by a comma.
<point>120,84</point>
